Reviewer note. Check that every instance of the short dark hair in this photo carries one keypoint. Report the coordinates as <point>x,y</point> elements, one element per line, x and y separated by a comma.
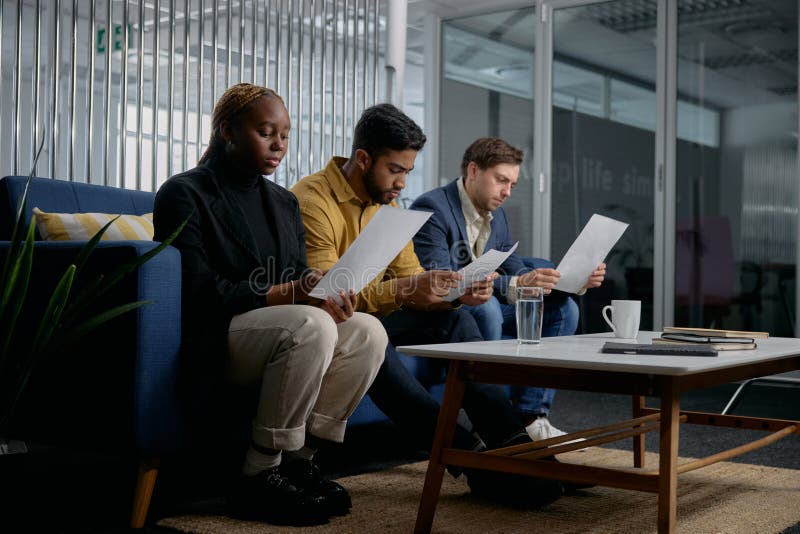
<point>383,127</point>
<point>487,152</point>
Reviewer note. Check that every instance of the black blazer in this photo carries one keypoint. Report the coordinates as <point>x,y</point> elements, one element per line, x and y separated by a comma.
<point>219,257</point>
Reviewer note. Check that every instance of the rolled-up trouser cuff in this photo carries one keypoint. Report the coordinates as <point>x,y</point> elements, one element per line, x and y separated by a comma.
<point>326,427</point>
<point>282,439</point>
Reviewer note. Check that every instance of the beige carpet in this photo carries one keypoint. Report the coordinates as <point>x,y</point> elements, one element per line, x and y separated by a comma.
<point>722,498</point>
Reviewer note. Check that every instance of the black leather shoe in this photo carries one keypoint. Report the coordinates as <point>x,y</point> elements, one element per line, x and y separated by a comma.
<point>518,491</point>
<point>306,475</point>
<point>570,487</point>
<point>270,496</point>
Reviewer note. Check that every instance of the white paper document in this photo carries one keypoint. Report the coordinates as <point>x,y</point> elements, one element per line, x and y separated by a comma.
<point>479,269</point>
<point>588,251</point>
<point>375,247</point>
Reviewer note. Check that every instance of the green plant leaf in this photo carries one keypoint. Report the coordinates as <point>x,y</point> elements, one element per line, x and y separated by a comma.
<point>104,283</point>
<point>97,320</point>
<point>14,293</point>
<point>74,335</point>
<point>53,332</point>
<point>19,222</point>
<point>52,315</point>
<point>15,243</point>
<point>87,249</point>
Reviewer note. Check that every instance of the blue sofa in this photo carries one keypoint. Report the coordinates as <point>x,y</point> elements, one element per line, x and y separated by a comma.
<point>137,383</point>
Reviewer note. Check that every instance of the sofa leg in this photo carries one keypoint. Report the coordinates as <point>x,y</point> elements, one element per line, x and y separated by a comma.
<point>145,482</point>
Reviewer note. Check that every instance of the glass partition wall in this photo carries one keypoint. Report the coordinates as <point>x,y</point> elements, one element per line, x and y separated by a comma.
<point>737,179</point>
<point>122,91</point>
<point>487,90</point>
<point>678,117</point>
<point>603,145</point>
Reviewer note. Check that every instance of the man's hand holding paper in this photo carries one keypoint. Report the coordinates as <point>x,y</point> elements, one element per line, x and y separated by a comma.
<point>582,266</point>
<point>478,272</point>
<point>544,278</point>
<point>426,289</point>
<point>597,277</point>
<point>480,291</point>
<point>380,241</point>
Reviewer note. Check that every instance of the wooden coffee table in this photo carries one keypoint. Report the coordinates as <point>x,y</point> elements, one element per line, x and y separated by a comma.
<point>576,363</point>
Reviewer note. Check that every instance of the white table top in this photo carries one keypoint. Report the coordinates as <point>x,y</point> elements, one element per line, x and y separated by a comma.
<point>583,352</point>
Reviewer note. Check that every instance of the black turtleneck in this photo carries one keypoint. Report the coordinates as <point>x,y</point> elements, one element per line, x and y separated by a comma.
<point>246,191</point>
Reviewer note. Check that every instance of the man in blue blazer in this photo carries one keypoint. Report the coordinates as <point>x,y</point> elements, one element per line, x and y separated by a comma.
<point>467,220</point>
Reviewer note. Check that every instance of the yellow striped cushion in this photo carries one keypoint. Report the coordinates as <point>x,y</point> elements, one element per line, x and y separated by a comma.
<point>82,226</point>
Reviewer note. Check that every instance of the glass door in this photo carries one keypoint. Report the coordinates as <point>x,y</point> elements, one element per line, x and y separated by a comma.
<point>487,84</point>
<point>604,142</point>
<point>677,117</point>
<point>736,168</point>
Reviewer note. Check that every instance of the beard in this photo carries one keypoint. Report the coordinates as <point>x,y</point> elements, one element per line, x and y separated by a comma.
<point>375,193</point>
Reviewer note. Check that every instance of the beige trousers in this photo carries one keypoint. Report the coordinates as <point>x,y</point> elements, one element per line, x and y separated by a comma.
<point>312,371</point>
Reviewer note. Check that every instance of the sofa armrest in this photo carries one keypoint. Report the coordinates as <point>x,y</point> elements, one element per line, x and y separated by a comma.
<point>154,330</point>
<point>158,425</point>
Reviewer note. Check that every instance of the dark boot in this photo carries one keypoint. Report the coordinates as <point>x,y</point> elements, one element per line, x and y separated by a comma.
<point>519,491</point>
<point>306,475</point>
<point>270,496</point>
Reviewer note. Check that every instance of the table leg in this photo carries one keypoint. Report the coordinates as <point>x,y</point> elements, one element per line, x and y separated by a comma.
<point>638,441</point>
<point>445,428</point>
<point>668,456</point>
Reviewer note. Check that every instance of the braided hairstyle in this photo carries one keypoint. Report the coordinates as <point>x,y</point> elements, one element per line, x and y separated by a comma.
<point>230,104</point>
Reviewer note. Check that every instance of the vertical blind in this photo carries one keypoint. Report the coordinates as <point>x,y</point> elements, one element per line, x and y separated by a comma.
<point>120,92</point>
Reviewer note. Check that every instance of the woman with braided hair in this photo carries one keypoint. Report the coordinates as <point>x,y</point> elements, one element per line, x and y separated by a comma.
<point>248,322</point>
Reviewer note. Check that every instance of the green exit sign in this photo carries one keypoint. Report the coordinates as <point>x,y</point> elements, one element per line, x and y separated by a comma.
<point>102,39</point>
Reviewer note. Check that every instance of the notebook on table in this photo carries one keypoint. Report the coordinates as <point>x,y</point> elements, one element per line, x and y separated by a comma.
<point>719,339</point>
<point>716,332</point>
<point>712,342</point>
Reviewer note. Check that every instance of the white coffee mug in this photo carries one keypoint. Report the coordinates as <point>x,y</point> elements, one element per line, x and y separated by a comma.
<point>624,320</point>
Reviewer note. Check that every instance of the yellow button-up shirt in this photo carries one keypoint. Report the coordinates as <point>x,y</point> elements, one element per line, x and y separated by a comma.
<point>333,216</point>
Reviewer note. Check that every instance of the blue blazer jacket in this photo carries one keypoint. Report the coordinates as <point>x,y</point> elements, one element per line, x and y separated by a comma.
<point>442,242</point>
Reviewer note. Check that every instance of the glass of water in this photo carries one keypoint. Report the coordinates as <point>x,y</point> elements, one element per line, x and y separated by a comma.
<point>530,307</point>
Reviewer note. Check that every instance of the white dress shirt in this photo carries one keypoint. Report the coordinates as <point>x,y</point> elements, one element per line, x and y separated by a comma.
<point>479,225</point>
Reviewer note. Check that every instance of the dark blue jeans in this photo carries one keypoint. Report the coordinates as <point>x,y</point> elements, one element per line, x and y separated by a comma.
<point>401,396</point>
<point>497,321</point>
